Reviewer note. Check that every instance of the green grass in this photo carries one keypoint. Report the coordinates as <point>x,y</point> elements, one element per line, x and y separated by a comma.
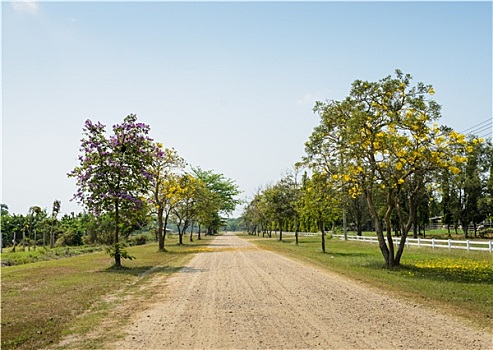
<point>459,282</point>
<point>20,257</point>
<point>44,301</point>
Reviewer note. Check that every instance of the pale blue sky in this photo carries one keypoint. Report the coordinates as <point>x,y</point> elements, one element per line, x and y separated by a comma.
<point>229,85</point>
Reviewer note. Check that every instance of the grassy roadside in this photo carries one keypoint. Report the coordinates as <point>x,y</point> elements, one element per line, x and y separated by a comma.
<point>458,282</point>
<point>45,301</point>
<point>20,257</point>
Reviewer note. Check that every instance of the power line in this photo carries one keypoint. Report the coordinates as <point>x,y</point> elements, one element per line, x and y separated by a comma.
<point>480,130</point>
<point>480,125</point>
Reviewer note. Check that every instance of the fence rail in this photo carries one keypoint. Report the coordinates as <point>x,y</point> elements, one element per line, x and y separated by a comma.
<point>288,233</point>
<point>433,243</point>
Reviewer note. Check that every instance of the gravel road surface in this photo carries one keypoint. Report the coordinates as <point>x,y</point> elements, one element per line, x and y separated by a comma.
<point>241,297</point>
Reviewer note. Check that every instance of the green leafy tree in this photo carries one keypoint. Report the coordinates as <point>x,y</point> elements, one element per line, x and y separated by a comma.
<point>487,198</point>
<point>281,202</point>
<point>34,216</point>
<point>358,213</point>
<point>225,191</point>
<point>113,174</point>
<point>54,213</point>
<point>254,215</point>
<point>4,216</point>
<point>471,185</point>
<point>321,202</point>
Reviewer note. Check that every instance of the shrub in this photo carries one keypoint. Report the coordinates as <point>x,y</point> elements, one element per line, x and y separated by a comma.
<point>486,233</point>
<point>139,239</point>
<point>69,238</point>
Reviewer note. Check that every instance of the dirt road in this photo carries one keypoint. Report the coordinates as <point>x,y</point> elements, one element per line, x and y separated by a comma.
<point>241,297</point>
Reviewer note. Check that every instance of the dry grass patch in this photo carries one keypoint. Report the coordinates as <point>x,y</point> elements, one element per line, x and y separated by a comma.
<point>46,301</point>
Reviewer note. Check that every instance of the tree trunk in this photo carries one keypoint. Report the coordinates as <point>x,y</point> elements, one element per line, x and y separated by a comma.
<point>465,228</point>
<point>191,232</point>
<point>14,241</point>
<point>165,225</point>
<point>321,224</point>
<point>296,228</point>
<point>360,230</point>
<point>344,222</point>
<point>378,228</point>
<point>180,234</point>
<point>280,231</point>
<point>159,232</point>
<point>390,242</point>
<point>198,234</point>
<point>52,235</point>
<point>118,261</point>
<point>405,230</point>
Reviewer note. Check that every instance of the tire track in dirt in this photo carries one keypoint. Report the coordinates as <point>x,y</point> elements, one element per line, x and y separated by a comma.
<point>241,297</point>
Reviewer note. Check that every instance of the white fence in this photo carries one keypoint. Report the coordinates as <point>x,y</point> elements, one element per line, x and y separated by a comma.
<point>433,243</point>
<point>299,233</point>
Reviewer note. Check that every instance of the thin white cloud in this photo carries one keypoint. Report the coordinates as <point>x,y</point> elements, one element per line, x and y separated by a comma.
<point>25,6</point>
<point>309,99</point>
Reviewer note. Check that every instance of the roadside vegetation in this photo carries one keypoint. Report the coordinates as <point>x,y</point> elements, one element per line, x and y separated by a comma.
<point>42,254</point>
<point>379,161</point>
<point>458,282</point>
<point>46,301</point>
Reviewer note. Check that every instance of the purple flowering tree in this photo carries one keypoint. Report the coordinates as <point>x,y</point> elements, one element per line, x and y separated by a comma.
<point>113,173</point>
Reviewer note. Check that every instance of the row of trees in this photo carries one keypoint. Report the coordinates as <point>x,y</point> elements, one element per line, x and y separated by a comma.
<point>125,173</point>
<point>36,226</point>
<point>42,228</point>
<point>126,181</point>
<point>379,156</point>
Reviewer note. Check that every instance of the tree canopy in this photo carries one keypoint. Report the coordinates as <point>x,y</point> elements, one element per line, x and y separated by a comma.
<point>113,172</point>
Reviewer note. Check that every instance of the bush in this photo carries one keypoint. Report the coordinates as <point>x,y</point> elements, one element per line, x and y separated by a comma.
<point>69,238</point>
<point>139,239</point>
<point>486,233</point>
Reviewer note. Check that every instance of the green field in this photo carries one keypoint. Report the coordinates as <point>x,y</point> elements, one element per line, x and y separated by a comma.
<point>458,282</point>
<point>44,301</point>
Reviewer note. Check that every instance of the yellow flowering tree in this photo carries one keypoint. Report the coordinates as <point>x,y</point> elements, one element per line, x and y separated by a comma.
<point>383,137</point>
<point>162,194</point>
<point>187,193</point>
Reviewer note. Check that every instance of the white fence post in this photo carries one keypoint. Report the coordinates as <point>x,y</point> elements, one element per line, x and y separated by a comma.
<point>468,245</point>
<point>449,244</point>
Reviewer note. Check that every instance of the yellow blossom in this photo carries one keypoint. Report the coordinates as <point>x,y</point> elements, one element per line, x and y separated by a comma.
<point>454,170</point>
